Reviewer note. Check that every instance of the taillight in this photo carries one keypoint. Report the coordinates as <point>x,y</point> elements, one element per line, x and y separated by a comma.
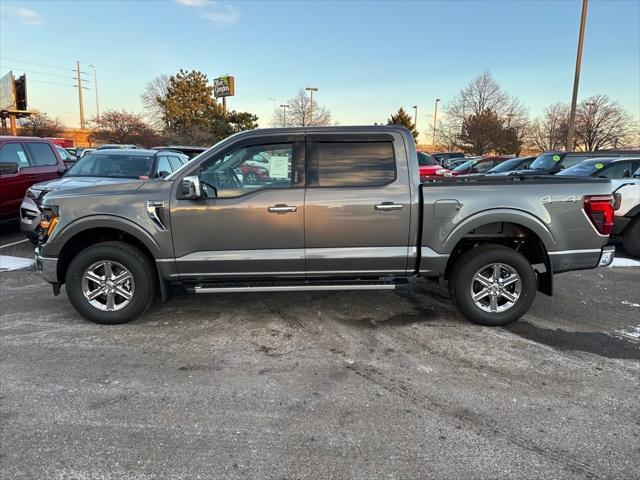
<point>599,209</point>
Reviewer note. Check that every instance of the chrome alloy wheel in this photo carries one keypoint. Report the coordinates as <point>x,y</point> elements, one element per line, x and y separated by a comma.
<point>108,286</point>
<point>495,288</point>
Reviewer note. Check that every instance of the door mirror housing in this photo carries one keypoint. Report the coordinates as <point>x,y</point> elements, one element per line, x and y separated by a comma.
<point>7,168</point>
<point>190,187</point>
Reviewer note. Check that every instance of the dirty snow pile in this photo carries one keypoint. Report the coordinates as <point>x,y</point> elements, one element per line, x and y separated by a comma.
<point>8,263</point>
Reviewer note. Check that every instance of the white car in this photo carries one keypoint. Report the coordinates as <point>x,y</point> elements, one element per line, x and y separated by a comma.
<point>627,214</point>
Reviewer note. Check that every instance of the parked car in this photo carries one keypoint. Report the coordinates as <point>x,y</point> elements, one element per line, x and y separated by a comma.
<point>112,146</point>
<point>66,157</point>
<point>189,151</point>
<point>99,168</point>
<point>321,224</point>
<point>429,168</point>
<point>482,165</point>
<point>512,164</point>
<point>455,162</point>
<point>23,162</point>
<point>627,215</point>
<point>550,163</point>
<point>443,158</point>
<point>253,174</point>
<point>611,167</point>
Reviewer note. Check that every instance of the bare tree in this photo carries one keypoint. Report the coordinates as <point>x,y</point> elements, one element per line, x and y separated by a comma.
<point>122,127</point>
<point>549,131</point>
<point>40,125</point>
<point>300,112</point>
<point>153,99</point>
<point>602,123</point>
<point>481,94</point>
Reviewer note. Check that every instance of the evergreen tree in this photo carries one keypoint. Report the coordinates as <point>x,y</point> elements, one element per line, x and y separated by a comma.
<point>402,118</point>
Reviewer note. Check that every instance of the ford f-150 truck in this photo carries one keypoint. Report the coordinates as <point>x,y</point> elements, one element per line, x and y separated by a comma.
<point>341,208</point>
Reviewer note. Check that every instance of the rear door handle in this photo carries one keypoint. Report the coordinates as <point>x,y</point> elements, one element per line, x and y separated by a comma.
<point>282,209</point>
<point>385,206</point>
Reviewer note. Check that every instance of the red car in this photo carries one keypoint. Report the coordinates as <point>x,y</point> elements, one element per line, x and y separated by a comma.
<point>481,165</point>
<point>429,168</point>
<point>252,174</point>
<point>23,162</point>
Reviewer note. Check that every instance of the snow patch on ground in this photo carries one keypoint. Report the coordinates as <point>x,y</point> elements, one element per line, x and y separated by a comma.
<point>630,332</point>
<point>8,263</point>
<point>631,304</point>
<point>624,262</point>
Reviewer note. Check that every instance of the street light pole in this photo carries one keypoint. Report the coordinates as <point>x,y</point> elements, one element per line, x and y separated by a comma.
<point>435,118</point>
<point>284,115</point>
<point>576,78</point>
<point>311,90</point>
<point>95,83</point>
<point>415,117</point>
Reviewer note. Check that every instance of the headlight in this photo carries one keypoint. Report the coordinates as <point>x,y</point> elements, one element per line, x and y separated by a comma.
<point>33,194</point>
<point>48,220</point>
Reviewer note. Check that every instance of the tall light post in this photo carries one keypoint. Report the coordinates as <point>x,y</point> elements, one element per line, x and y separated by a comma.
<point>311,90</point>
<point>95,83</point>
<point>415,117</point>
<point>435,119</point>
<point>576,78</point>
<point>284,114</point>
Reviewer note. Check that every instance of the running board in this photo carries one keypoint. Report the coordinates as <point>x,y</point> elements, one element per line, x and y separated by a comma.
<point>292,288</point>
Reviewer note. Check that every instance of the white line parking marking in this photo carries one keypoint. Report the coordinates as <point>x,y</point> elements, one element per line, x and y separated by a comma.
<point>14,243</point>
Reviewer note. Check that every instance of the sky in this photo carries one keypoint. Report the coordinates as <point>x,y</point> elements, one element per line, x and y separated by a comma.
<point>367,58</point>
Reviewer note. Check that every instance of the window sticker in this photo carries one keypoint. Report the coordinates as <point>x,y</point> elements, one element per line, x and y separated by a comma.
<point>556,158</point>
<point>22,157</point>
<point>599,166</point>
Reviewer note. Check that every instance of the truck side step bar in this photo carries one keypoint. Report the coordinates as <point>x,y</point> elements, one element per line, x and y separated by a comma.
<point>309,287</point>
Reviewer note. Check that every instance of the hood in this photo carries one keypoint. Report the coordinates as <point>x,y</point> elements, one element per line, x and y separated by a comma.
<point>66,183</point>
<point>92,190</point>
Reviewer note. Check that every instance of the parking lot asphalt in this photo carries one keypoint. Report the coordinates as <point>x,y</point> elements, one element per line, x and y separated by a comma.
<point>321,385</point>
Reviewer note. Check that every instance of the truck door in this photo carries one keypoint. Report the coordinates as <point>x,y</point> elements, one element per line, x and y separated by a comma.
<point>250,224</point>
<point>357,206</point>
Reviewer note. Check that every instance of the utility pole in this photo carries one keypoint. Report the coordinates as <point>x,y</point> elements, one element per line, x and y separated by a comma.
<point>311,90</point>
<point>80,97</point>
<point>576,78</point>
<point>95,83</point>
<point>435,118</point>
<point>284,115</point>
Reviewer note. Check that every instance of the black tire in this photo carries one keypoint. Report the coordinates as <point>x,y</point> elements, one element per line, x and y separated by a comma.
<point>129,256</point>
<point>469,263</point>
<point>631,238</point>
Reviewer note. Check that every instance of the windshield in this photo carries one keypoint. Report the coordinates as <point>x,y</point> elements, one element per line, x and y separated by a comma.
<point>112,166</point>
<point>425,159</point>
<point>546,161</point>
<point>583,169</point>
<point>506,166</point>
<point>465,166</point>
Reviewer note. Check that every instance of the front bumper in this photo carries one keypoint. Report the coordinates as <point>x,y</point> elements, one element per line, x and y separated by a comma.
<point>47,267</point>
<point>568,260</point>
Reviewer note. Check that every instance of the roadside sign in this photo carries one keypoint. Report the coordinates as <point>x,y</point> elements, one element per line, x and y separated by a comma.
<point>224,86</point>
<point>7,94</point>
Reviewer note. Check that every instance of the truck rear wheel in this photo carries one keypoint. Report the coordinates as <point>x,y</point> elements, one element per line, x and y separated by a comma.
<point>631,238</point>
<point>493,285</point>
<point>110,283</point>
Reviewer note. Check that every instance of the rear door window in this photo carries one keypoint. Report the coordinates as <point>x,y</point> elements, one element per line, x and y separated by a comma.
<point>164,167</point>
<point>355,164</point>
<point>175,163</point>
<point>616,170</point>
<point>570,160</point>
<point>42,154</point>
<point>14,153</point>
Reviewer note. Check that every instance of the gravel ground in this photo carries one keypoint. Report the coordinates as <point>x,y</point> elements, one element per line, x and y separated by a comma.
<point>349,385</point>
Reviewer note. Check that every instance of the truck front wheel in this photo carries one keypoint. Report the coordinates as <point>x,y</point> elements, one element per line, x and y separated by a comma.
<point>110,282</point>
<point>631,238</point>
<point>493,285</point>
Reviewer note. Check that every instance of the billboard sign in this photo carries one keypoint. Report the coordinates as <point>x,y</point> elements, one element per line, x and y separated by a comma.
<point>7,94</point>
<point>224,86</point>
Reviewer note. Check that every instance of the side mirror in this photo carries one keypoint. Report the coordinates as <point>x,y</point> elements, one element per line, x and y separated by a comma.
<point>8,168</point>
<point>162,174</point>
<point>190,187</point>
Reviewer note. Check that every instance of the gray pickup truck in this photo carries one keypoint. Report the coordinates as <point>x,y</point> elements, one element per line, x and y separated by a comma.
<point>334,208</point>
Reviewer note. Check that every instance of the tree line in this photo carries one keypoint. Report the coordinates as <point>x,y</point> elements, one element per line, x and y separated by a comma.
<point>481,118</point>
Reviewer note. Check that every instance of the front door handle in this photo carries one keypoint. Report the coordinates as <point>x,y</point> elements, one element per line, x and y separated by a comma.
<point>385,206</point>
<point>280,208</point>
